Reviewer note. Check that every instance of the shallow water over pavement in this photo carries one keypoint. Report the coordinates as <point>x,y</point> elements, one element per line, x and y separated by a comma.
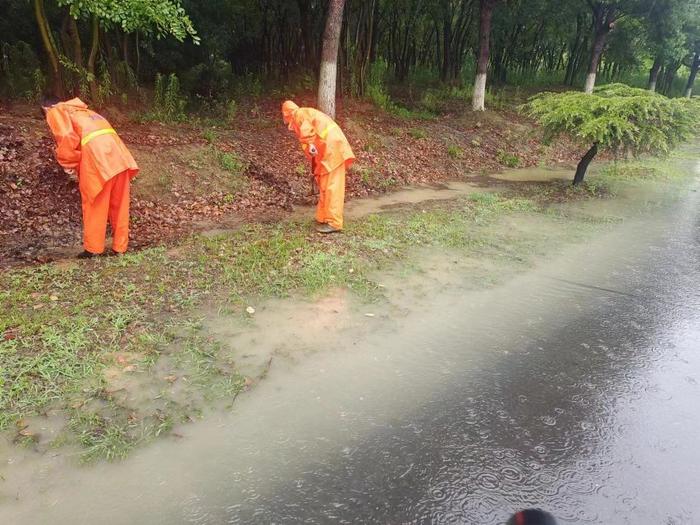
<point>574,387</point>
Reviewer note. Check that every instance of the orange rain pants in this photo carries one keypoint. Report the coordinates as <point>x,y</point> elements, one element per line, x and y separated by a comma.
<point>86,142</point>
<point>112,204</point>
<point>331,197</point>
<point>333,157</point>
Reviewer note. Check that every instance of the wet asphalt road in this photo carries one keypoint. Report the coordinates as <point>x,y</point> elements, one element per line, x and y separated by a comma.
<point>595,417</point>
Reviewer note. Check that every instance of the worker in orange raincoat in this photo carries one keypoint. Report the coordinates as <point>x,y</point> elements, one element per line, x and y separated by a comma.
<point>88,146</point>
<point>325,144</point>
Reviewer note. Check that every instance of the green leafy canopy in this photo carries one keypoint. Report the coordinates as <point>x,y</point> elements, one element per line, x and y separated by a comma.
<point>617,117</point>
<point>158,17</point>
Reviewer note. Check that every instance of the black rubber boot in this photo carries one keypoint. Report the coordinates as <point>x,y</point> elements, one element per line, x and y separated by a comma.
<point>326,228</point>
<point>85,255</point>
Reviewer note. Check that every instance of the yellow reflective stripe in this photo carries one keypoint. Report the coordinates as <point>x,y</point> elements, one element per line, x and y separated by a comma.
<point>327,130</point>
<point>87,138</point>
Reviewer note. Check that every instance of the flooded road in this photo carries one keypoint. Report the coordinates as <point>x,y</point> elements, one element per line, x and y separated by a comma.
<point>574,387</point>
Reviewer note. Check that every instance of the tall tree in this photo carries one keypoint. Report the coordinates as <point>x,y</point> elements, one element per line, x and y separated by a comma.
<point>329,57</point>
<point>691,30</point>
<point>485,16</point>
<point>604,16</point>
<point>664,36</point>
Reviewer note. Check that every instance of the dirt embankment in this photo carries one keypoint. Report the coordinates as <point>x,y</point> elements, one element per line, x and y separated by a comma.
<point>195,176</point>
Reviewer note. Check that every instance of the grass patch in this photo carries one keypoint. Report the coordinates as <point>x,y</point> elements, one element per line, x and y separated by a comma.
<point>455,151</point>
<point>444,100</point>
<point>231,163</point>
<point>101,438</point>
<point>510,160</point>
<point>376,180</point>
<point>641,170</point>
<point>210,135</point>
<point>418,133</point>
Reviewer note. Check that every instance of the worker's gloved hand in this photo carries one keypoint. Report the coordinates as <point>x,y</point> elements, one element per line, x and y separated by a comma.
<point>72,174</point>
<point>312,150</point>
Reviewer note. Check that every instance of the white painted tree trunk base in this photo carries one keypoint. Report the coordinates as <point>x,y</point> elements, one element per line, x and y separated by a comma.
<point>652,86</point>
<point>479,92</point>
<point>689,92</point>
<point>590,83</point>
<point>326,88</point>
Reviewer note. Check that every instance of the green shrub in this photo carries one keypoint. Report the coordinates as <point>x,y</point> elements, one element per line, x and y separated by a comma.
<point>105,86</point>
<point>248,85</point>
<point>378,94</point>
<point>452,99</point>
<point>231,163</point>
<point>418,133</point>
<point>216,111</point>
<point>168,103</point>
<point>211,80</point>
<point>20,72</point>
<point>446,99</point>
<point>507,159</point>
<point>209,135</point>
<point>376,180</point>
<point>231,109</point>
<point>616,117</point>
<point>376,84</point>
<point>455,151</point>
<point>406,113</point>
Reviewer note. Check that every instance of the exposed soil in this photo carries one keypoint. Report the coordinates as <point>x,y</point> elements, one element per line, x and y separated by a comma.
<point>40,217</point>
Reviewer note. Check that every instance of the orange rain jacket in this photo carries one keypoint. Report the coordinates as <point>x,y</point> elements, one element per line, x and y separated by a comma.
<point>315,127</point>
<point>85,141</point>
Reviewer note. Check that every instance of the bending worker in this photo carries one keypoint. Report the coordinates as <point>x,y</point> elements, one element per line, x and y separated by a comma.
<point>325,144</point>
<point>86,145</point>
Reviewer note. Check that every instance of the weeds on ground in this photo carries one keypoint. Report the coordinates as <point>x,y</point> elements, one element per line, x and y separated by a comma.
<point>168,103</point>
<point>455,151</point>
<point>210,135</point>
<point>418,133</point>
<point>377,180</point>
<point>443,100</point>
<point>510,160</point>
<point>377,92</point>
<point>231,163</point>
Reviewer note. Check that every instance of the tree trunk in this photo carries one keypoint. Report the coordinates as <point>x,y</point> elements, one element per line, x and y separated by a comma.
<point>77,45</point>
<point>603,20</point>
<point>583,164</point>
<point>125,48</point>
<point>693,73</point>
<point>94,48</point>
<point>596,53</point>
<point>485,16</point>
<point>670,71</point>
<point>654,73</point>
<point>329,57</point>
<point>50,47</point>
<point>138,56</point>
<point>64,34</point>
